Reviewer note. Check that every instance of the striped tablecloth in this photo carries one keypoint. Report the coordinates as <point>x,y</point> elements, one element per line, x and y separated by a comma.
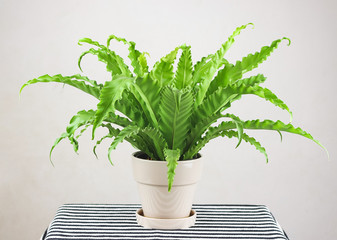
<point>118,221</point>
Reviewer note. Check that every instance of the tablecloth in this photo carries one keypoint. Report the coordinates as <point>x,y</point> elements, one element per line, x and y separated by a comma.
<point>118,221</point>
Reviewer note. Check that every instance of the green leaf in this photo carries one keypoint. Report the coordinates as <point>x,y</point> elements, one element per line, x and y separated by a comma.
<point>252,61</point>
<point>105,57</point>
<point>239,126</point>
<point>91,42</point>
<point>271,125</point>
<point>115,64</point>
<point>256,144</point>
<point>57,141</point>
<point>110,94</point>
<point>143,143</point>
<point>264,93</point>
<point>125,133</point>
<point>171,157</point>
<point>175,111</point>
<point>86,79</point>
<point>231,72</point>
<point>145,104</point>
<point>251,81</point>
<point>162,71</point>
<point>157,141</point>
<point>205,73</point>
<point>218,56</point>
<point>82,131</point>
<point>198,68</point>
<point>130,107</point>
<point>247,139</point>
<point>116,119</point>
<point>99,142</point>
<point>183,77</point>
<point>113,132</point>
<point>223,129</point>
<point>138,102</point>
<point>82,118</point>
<point>196,132</point>
<point>221,80</point>
<point>280,126</point>
<point>200,142</point>
<point>143,63</point>
<point>151,89</point>
<point>138,59</point>
<point>213,104</point>
<point>75,81</point>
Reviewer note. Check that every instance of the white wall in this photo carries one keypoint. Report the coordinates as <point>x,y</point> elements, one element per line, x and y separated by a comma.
<point>39,37</point>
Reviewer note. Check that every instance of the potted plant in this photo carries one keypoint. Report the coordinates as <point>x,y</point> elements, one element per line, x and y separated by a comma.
<point>169,116</point>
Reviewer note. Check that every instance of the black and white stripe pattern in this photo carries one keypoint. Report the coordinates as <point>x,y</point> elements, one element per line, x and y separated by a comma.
<point>118,221</point>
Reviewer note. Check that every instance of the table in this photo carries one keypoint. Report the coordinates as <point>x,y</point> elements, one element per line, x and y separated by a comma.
<point>118,221</point>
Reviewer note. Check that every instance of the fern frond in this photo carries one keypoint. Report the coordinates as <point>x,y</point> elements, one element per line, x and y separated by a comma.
<point>57,141</point>
<point>198,67</point>
<point>151,90</point>
<point>110,94</point>
<point>103,56</point>
<point>251,81</point>
<point>145,104</point>
<point>138,59</point>
<point>224,48</point>
<point>82,118</point>
<point>143,63</point>
<point>264,93</point>
<point>126,132</point>
<point>247,139</point>
<point>171,157</point>
<point>175,111</point>
<point>115,64</point>
<point>98,142</point>
<point>271,125</point>
<point>183,77</point>
<point>118,120</point>
<point>130,107</point>
<point>86,79</point>
<point>205,72</point>
<point>213,104</point>
<point>113,132</point>
<point>82,131</point>
<point>223,129</point>
<point>231,72</point>
<point>162,71</point>
<point>239,126</point>
<point>278,126</point>
<point>252,61</point>
<point>157,141</point>
<point>75,81</point>
<point>197,131</point>
<point>145,144</point>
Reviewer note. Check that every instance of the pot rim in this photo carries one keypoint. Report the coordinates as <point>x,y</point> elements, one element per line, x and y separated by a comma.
<point>200,156</point>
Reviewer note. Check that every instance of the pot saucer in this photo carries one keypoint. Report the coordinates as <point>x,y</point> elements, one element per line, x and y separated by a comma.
<point>161,223</point>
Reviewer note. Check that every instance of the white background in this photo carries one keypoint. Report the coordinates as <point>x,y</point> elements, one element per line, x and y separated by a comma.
<point>37,37</point>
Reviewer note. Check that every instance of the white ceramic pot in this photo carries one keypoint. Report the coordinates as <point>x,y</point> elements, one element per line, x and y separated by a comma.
<point>157,202</point>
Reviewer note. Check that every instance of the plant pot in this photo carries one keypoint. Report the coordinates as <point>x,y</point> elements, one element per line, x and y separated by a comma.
<point>159,205</point>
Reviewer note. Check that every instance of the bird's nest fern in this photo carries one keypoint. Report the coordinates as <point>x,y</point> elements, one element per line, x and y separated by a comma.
<point>167,114</point>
